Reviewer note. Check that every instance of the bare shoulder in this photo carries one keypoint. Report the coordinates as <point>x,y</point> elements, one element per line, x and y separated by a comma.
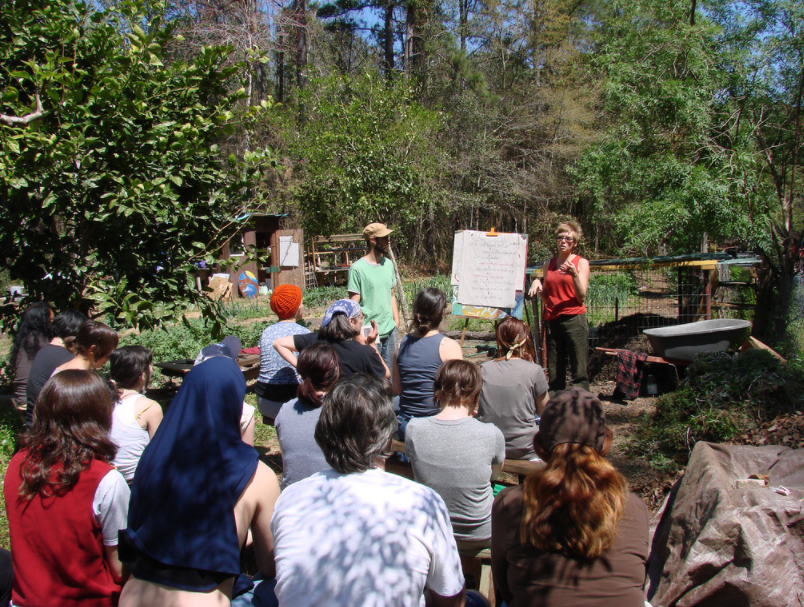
<point>143,403</point>
<point>450,349</point>
<point>264,483</point>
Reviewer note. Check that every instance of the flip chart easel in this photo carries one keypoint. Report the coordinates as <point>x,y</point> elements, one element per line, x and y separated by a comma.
<point>488,275</point>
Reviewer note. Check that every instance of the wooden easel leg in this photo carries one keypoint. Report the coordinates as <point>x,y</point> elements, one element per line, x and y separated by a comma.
<point>463,333</point>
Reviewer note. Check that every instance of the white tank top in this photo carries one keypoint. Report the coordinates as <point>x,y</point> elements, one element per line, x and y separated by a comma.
<point>129,437</point>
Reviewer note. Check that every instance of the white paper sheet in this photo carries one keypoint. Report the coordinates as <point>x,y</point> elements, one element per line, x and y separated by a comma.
<point>288,252</point>
<point>492,268</point>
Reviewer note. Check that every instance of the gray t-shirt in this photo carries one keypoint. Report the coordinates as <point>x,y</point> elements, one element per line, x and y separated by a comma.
<point>301,455</point>
<point>455,458</point>
<point>508,400</point>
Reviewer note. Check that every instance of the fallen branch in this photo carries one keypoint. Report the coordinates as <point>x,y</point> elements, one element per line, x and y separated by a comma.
<point>12,120</point>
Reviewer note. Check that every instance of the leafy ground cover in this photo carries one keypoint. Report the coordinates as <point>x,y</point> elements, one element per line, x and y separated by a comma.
<point>745,398</point>
<point>10,427</point>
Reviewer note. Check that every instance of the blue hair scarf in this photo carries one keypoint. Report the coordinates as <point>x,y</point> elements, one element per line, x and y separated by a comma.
<point>192,473</point>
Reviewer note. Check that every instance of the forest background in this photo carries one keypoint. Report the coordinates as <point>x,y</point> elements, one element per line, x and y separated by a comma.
<point>131,133</point>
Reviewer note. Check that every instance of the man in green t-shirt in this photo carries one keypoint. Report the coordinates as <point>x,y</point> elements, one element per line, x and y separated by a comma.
<point>371,284</point>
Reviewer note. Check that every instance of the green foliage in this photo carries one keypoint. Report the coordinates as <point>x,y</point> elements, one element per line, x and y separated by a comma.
<point>721,396</point>
<point>366,149</point>
<point>10,428</point>
<point>658,175</point>
<point>439,281</point>
<point>456,323</point>
<point>245,310</point>
<point>115,192</point>
<point>186,339</point>
<point>322,296</point>
<point>606,289</point>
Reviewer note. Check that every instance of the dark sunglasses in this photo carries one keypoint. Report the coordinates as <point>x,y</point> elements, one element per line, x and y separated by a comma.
<point>567,238</point>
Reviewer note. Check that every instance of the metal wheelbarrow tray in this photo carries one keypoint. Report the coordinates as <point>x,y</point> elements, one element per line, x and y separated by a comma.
<point>685,342</point>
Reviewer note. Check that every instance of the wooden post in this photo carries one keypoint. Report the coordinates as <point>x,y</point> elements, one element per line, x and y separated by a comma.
<point>400,292</point>
<point>545,360</point>
<point>463,333</point>
<point>707,294</point>
<point>616,309</point>
<point>680,296</point>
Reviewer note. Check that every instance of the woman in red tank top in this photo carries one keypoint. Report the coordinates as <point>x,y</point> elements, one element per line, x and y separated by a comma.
<point>562,288</point>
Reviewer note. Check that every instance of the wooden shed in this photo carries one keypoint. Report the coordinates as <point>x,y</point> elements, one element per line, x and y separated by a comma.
<point>264,232</point>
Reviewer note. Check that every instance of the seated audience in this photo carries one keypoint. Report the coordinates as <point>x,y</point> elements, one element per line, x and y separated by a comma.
<point>198,491</point>
<point>135,418</point>
<point>32,333</point>
<point>94,343</point>
<point>60,350</point>
<point>572,534</point>
<point>514,389</point>
<point>295,424</point>
<point>278,379</point>
<point>419,357</point>
<point>356,535</point>
<point>64,500</point>
<point>230,347</point>
<point>457,455</point>
<point>341,328</point>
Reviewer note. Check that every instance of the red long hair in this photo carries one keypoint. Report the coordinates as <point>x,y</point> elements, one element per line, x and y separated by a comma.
<point>574,507</point>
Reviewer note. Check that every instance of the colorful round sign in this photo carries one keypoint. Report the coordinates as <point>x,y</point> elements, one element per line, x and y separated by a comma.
<point>249,287</point>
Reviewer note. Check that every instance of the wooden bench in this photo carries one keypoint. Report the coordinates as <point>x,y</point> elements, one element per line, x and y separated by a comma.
<point>477,561</point>
<point>519,467</point>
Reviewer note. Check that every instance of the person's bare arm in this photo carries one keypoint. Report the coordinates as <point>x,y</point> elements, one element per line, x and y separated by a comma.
<point>450,350</point>
<point>248,432</point>
<point>537,286</point>
<point>433,599</point>
<point>394,307</point>
<point>286,347</point>
<point>354,297</point>
<point>267,489</point>
<point>580,280</point>
<point>496,470</point>
<point>541,402</point>
<point>397,381</point>
<point>119,573</point>
<point>150,414</point>
<point>387,370</point>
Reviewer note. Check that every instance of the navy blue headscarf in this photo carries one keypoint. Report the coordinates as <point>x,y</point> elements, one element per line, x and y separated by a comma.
<point>191,474</point>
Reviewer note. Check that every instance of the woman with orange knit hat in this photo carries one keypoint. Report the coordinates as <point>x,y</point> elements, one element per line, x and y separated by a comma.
<point>278,379</point>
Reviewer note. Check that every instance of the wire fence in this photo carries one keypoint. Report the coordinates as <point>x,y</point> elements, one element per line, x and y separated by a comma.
<point>621,304</point>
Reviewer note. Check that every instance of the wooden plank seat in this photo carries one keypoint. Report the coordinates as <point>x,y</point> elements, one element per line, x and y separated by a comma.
<point>477,562</point>
<point>249,364</point>
<point>518,467</point>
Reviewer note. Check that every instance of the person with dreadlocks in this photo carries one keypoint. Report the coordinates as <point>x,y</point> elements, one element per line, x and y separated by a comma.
<point>514,389</point>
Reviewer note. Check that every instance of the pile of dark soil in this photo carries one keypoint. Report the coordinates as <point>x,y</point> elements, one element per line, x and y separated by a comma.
<point>624,333</point>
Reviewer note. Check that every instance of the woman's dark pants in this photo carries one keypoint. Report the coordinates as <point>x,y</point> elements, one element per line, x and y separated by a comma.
<point>567,335</point>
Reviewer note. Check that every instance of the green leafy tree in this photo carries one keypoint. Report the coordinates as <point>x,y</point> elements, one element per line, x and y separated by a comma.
<point>365,152</point>
<point>703,133</point>
<point>111,181</point>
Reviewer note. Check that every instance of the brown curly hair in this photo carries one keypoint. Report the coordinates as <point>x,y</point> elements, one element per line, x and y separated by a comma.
<point>71,424</point>
<point>575,505</point>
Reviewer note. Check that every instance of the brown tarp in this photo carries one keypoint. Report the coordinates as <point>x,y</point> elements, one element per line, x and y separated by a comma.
<point>717,545</point>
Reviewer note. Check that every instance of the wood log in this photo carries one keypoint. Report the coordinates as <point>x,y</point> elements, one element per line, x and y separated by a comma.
<point>480,335</point>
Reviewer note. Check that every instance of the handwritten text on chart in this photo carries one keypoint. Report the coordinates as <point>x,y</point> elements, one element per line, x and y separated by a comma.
<point>489,269</point>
